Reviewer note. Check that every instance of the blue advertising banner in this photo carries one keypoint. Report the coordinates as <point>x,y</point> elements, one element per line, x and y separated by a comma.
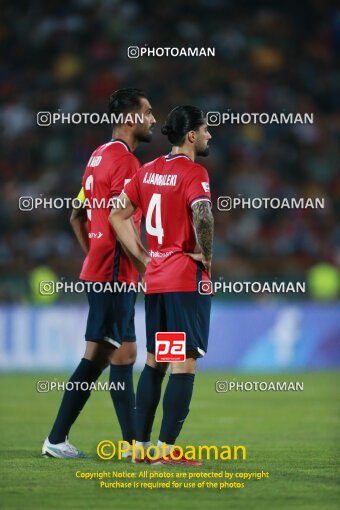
<point>243,337</point>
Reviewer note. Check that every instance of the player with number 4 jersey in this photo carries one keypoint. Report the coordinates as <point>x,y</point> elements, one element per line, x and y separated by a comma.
<point>166,189</point>
<point>173,193</point>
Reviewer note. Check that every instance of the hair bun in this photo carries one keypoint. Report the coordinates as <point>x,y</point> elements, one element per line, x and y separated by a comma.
<point>165,130</point>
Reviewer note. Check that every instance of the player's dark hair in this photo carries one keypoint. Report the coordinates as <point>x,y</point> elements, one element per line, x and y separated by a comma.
<point>125,101</point>
<point>180,121</point>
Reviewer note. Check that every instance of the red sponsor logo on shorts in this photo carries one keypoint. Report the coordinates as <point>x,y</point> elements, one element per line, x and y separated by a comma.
<point>170,346</point>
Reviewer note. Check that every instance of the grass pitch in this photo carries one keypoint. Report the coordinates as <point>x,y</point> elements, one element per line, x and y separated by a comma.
<point>292,435</point>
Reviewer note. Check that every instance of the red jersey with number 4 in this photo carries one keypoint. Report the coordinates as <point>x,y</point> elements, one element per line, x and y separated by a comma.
<point>165,190</point>
<point>110,167</point>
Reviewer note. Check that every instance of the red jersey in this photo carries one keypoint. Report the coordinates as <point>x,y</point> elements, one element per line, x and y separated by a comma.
<point>109,168</point>
<point>165,190</point>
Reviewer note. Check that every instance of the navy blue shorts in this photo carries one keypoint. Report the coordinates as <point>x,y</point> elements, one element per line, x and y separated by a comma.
<point>111,317</point>
<point>179,311</point>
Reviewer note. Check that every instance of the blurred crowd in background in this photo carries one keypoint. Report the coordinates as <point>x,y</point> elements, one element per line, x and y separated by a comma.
<point>270,57</point>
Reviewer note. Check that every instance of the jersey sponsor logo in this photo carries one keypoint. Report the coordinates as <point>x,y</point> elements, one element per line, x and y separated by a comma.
<point>159,179</point>
<point>170,346</point>
<point>160,254</point>
<point>205,186</point>
<point>95,235</point>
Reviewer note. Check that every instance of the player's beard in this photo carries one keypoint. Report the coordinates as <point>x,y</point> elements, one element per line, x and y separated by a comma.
<point>147,137</point>
<point>203,152</point>
<point>144,136</point>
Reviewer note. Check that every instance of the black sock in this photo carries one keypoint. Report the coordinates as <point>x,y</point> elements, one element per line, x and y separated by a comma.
<point>124,399</point>
<point>147,399</point>
<point>176,403</point>
<point>73,400</point>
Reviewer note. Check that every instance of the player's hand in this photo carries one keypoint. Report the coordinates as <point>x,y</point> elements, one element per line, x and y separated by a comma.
<point>146,261</point>
<point>199,257</point>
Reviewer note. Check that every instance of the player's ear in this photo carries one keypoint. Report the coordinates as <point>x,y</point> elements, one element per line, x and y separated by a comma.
<point>129,119</point>
<point>191,136</point>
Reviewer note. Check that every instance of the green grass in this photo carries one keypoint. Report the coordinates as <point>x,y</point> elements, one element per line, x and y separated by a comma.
<point>293,435</point>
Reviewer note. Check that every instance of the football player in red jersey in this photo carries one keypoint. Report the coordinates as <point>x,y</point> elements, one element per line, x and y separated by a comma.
<point>174,195</point>
<point>110,333</point>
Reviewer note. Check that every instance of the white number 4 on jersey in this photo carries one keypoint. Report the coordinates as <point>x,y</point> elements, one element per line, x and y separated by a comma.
<point>157,230</point>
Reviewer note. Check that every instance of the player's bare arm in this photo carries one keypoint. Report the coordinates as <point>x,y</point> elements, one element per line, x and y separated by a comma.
<point>204,227</point>
<point>135,262</point>
<point>120,219</point>
<point>78,222</point>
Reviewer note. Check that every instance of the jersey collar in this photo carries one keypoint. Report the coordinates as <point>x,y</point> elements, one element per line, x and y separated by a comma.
<point>173,156</point>
<point>121,141</point>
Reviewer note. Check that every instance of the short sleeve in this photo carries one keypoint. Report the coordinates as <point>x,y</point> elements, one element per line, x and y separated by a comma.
<point>124,169</point>
<point>198,186</point>
<point>131,189</point>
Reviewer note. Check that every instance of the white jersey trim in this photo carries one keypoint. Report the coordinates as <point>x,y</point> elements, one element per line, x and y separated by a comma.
<point>196,200</point>
<point>121,143</point>
<point>169,157</point>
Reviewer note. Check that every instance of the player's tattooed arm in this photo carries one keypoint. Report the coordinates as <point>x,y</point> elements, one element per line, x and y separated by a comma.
<point>204,226</point>
<point>78,222</point>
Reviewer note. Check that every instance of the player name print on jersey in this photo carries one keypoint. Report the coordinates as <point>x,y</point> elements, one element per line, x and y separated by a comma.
<point>160,180</point>
<point>94,161</point>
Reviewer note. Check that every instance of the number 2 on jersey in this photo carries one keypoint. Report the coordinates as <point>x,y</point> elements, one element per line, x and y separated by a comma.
<point>89,187</point>
<point>157,230</point>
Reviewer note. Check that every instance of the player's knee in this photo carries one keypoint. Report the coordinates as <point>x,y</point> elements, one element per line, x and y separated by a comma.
<point>131,354</point>
<point>151,361</point>
<point>99,353</point>
<point>186,367</point>
<point>125,355</point>
<point>129,359</point>
<point>98,361</point>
